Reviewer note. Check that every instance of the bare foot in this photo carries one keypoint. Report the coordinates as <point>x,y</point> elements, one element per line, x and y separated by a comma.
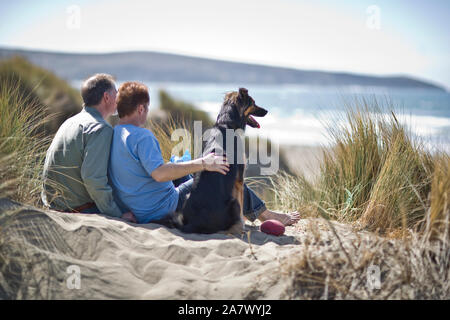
<point>285,218</point>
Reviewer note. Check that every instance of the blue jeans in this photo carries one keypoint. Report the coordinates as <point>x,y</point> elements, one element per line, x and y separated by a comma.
<point>253,205</point>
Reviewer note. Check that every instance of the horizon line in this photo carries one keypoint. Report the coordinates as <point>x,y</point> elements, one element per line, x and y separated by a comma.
<point>261,64</point>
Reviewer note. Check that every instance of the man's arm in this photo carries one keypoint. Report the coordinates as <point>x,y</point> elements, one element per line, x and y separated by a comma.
<point>94,171</point>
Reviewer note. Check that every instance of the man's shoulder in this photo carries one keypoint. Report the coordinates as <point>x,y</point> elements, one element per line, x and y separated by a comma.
<point>89,123</point>
<point>83,127</point>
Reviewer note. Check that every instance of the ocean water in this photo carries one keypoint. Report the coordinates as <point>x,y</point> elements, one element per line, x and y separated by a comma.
<point>302,115</point>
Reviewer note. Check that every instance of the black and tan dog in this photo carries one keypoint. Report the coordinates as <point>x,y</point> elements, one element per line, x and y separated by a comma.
<point>216,200</point>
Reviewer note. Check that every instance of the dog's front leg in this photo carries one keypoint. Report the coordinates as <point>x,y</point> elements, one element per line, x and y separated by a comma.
<point>238,194</point>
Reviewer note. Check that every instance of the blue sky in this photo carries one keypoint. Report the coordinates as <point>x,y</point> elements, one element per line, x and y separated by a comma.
<point>399,37</point>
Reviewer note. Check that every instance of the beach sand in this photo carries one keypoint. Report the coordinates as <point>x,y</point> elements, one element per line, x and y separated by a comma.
<point>120,260</point>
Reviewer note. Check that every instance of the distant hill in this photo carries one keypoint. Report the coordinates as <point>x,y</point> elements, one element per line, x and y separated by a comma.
<point>153,66</point>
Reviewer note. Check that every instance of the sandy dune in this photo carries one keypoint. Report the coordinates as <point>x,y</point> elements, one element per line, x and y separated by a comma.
<point>54,255</point>
<point>119,260</point>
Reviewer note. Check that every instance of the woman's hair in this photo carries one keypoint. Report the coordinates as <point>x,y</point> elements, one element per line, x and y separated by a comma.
<point>131,94</point>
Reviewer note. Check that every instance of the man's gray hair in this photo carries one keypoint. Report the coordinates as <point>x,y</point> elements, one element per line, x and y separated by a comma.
<point>93,88</point>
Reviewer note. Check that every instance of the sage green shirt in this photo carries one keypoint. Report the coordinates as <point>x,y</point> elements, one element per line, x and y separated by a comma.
<point>76,164</point>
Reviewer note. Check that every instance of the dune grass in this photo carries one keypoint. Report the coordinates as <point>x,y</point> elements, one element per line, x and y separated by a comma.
<point>38,87</point>
<point>363,265</point>
<point>30,111</point>
<point>439,199</point>
<point>22,142</point>
<point>163,132</point>
<point>375,175</point>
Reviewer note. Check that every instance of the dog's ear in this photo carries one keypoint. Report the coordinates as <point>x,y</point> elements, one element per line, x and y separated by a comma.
<point>243,92</point>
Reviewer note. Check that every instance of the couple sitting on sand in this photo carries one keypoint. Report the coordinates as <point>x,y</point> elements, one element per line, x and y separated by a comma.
<point>92,168</point>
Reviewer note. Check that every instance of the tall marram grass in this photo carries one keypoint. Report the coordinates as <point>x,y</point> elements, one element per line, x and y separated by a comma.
<point>163,132</point>
<point>41,87</point>
<point>439,199</point>
<point>376,174</point>
<point>22,143</point>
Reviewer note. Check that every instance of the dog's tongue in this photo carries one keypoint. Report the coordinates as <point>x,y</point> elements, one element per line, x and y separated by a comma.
<point>254,121</point>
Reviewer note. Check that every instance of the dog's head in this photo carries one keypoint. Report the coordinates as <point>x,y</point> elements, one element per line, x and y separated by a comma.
<point>239,109</point>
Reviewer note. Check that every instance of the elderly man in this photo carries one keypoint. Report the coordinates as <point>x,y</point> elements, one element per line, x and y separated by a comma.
<point>152,189</point>
<point>76,164</point>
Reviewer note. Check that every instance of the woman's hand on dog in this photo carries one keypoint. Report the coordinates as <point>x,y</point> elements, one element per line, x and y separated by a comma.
<point>217,163</point>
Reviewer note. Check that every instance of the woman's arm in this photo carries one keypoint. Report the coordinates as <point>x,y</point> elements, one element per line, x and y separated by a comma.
<point>172,171</point>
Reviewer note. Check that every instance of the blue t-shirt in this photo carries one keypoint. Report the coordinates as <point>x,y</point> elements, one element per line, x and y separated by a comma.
<point>135,153</point>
